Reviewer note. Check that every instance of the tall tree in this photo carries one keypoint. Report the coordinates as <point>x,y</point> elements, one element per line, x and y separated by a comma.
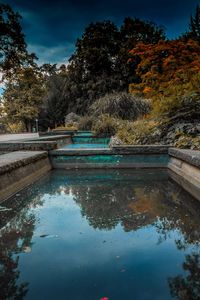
<point>13,51</point>
<point>100,63</point>
<point>53,109</point>
<point>23,97</point>
<point>195,25</point>
<point>132,32</point>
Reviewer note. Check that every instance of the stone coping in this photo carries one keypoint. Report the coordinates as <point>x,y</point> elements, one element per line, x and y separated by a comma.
<point>31,145</point>
<point>117,150</point>
<point>81,151</point>
<point>14,160</point>
<point>192,157</point>
<point>52,137</point>
<point>141,149</point>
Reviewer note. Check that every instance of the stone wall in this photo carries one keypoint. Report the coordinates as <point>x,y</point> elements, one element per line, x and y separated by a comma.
<point>184,166</point>
<point>19,169</point>
<point>41,144</point>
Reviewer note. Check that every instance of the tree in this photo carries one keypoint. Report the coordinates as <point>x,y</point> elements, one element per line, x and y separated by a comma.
<point>91,72</point>
<point>132,32</point>
<point>13,52</point>
<point>164,64</point>
<point>23,97</point>
<point>194,26</point>
<point>99,65</point>
<point>53,109</point>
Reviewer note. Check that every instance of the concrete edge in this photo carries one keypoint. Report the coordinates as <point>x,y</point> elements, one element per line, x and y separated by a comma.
<point>190,156</point>
<point>141,149</point>
<point>18,162</point>
<point>18,179</point>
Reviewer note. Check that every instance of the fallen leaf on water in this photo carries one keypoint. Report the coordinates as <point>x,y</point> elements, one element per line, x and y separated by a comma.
<point>27,249</point>
<point>123,270</point>
<point>43,235</point>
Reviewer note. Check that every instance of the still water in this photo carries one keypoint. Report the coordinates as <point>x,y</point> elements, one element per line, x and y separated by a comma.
<point>86,145</point>
<point>91,235</point>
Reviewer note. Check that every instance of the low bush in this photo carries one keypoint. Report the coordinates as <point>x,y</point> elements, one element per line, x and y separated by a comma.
<point>188,142</point>
<point>179,101</point>
<point>139,132</point>
<point>105,126</point>
<point>121,105</point>
<point>86,123</point>
<point>72,127</point>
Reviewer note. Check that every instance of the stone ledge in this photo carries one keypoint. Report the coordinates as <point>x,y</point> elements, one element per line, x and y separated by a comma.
<point>140,149</point>
<point>124,149</point>
<point>81,151</point>
<point>192,157</point>
<point>15,160</point>
<point>31,146</point>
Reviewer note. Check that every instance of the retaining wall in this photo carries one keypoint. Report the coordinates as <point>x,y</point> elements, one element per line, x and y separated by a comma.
<point>184,168</point>
<point>40,144</point>
<point>19,169</point>
<point>118,157</point>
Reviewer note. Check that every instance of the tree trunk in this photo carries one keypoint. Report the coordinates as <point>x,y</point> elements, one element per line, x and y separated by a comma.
<point>27,125</point>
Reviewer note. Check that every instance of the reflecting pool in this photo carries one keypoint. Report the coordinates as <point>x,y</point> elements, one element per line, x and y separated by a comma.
<point>91,235</point>
<point>86,145</point>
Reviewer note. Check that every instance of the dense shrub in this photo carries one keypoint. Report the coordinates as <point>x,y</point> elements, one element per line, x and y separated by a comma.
<point>71,127</point>
<point>139,132</point>
<point>179,101</point>
<point>71,118</point>
<point>121,105</point>
<point>15,127</point>
<point>188,142</point>
<point>85,123</point>
<point>105,126</point>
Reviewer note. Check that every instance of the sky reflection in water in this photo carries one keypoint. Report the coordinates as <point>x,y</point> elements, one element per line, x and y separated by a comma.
<point>93,234</point>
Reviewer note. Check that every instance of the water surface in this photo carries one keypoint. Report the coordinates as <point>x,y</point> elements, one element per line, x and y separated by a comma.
<point>86,235</point>
<point>86,145</point>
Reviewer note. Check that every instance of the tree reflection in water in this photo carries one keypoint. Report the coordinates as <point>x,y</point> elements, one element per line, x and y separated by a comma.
<point>162,204</point>
<point>188,287</point>
<point>15,237</point>
<point>132,199</point>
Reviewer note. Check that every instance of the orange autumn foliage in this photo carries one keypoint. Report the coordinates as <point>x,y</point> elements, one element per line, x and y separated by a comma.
<point>164,64</point>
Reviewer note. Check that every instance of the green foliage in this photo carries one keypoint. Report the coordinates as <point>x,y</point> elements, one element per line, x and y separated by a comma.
<point>186,141</point>
<point>121,105</point>
<point>134,30</point>
<point>139,132</point>
<point>86,123</point>
<point>99,65</point>
<point>53,110</point>
<point>105,126</point>
<point>13,52</point>
<point>179,101</point>
<point>15,127</point>
<point>22,99</point>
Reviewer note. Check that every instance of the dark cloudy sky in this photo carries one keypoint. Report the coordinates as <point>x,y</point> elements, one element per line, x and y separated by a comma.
<point>52,27</point>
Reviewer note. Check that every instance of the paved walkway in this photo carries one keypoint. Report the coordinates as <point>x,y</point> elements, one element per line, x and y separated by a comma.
<point>17,137</point>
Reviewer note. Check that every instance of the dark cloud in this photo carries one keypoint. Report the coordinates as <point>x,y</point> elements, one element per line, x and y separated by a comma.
<point>52,27</point>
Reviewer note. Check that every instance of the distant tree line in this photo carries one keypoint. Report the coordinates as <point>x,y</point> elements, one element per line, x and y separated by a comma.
<point>105,60</point>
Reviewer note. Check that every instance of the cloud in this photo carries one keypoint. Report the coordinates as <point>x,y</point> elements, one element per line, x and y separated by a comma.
<point>55,55</point>
<point>52,27</point>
